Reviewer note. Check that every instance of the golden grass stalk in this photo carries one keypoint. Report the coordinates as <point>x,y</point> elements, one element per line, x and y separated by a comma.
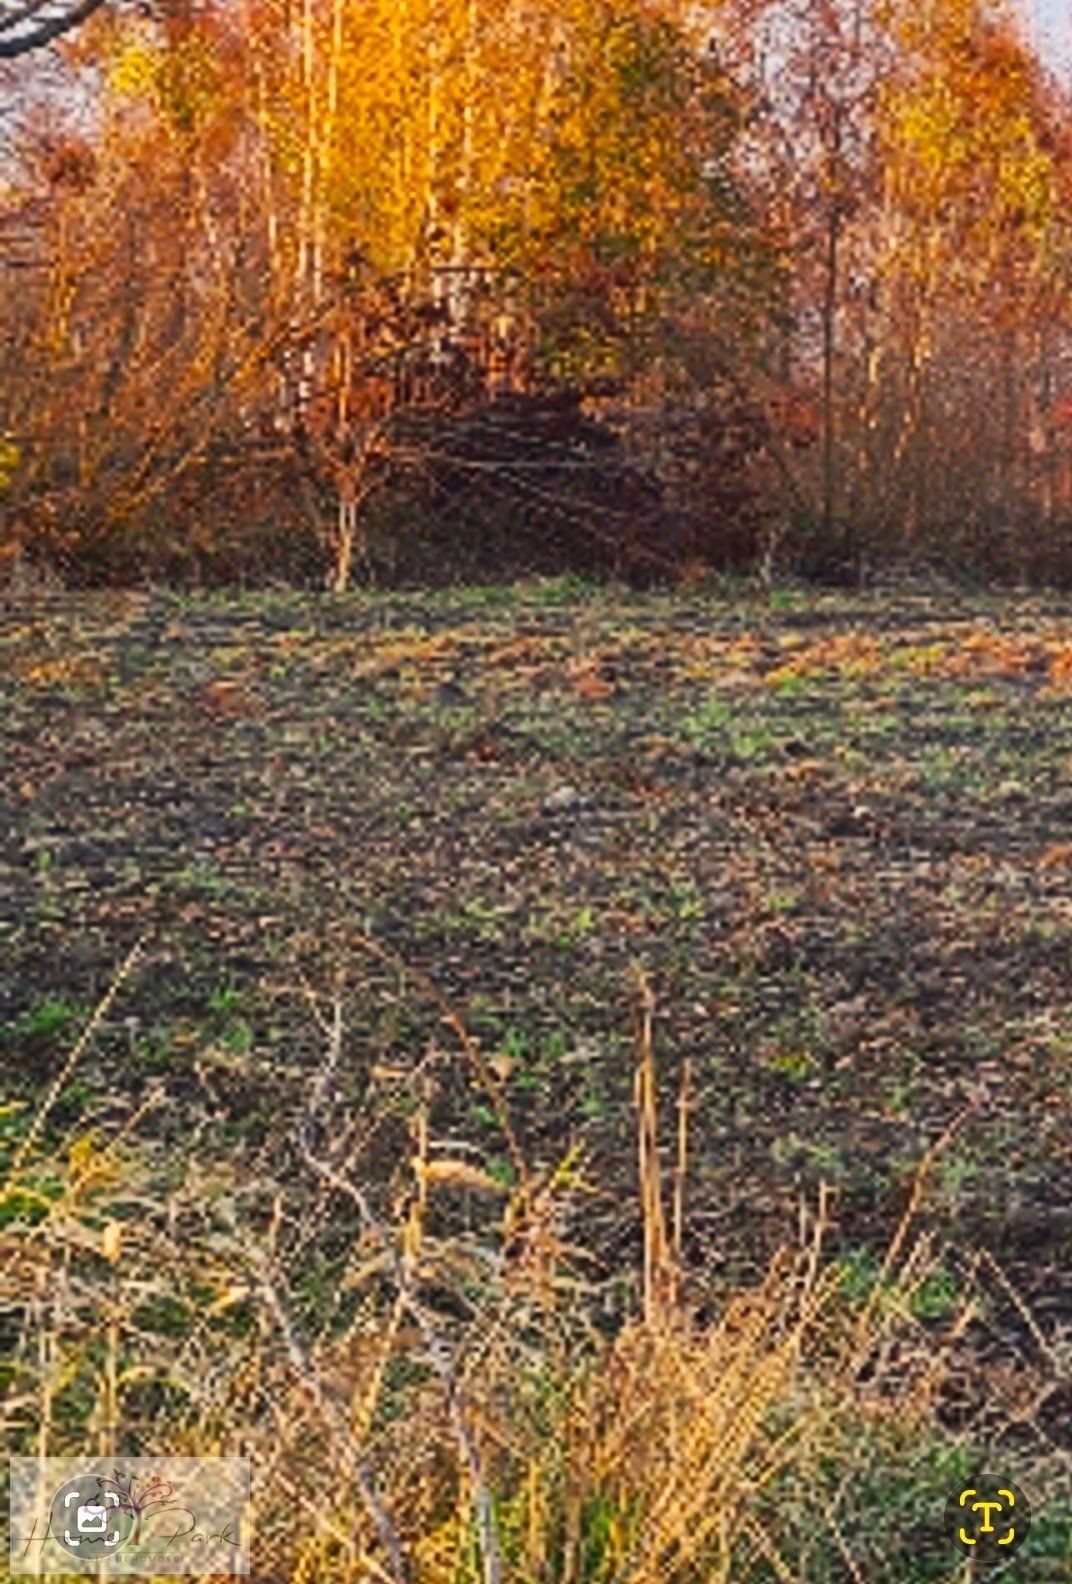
<point>505,1439</point>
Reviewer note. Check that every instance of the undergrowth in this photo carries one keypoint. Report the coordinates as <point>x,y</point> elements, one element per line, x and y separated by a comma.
<point>454,1410</point>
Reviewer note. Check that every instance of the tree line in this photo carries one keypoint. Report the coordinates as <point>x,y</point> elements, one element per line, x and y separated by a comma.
<point>415,288</point>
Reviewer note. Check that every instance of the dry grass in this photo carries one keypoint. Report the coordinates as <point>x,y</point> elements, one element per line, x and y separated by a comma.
<point>498,1436</point>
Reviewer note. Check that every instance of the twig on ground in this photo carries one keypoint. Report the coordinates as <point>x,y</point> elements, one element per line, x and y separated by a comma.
<point>100,1012</point>
<point>435,1348</point>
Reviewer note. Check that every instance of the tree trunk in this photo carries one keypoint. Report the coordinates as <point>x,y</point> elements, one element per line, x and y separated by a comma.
<point>830,290</point>
<point>347,533</point>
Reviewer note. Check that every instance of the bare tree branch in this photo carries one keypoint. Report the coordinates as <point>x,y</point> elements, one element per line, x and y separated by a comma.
<point>35,23</point>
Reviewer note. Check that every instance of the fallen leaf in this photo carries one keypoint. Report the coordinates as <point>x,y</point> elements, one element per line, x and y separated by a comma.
<point>236,1294</point>
<point>450,1173</point>
<point>1057,857</point>
<point>590,684</point>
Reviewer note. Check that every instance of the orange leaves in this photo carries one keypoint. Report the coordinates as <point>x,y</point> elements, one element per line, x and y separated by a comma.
<point>978,654</point>
<point>1000,654</point>
<point>730,661</point>
<point>521,650</point>
<point>1061,665</point>
<point>78,670</point>
<point>525,660</point>
<point>377,657</point>
<point>447,1172</point>
<point>1058,856</point>
<point>587,681</point>
<point>225,700</point>
<point>850,654</point>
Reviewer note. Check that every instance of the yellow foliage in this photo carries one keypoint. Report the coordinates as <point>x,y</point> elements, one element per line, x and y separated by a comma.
<point>850,654</point>
<point>10,457</point>
<point>133,72</point>
<point>80,1154</point>
<point>968,155</point>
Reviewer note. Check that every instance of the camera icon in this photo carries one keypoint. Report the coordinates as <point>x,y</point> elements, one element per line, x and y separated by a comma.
<point>92,1519</point>
<point>89,1521</point>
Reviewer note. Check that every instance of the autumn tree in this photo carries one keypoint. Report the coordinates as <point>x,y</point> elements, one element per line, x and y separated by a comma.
<point>915,160</point>
<point>542,191</point>
<point>148,312</point>
<point>811,75</point>
<point>974,270</point>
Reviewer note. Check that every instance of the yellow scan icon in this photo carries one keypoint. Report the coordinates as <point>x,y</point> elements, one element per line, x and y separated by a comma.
<point>1004,1498</point>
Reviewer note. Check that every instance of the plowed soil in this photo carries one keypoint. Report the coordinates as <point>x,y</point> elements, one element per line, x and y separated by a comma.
<point>835,832</point>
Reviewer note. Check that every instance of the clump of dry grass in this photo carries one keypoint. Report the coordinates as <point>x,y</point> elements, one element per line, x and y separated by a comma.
<point>498,1436</point>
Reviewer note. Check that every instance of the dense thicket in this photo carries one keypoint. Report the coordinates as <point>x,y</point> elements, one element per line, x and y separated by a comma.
<point>338,288</point>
